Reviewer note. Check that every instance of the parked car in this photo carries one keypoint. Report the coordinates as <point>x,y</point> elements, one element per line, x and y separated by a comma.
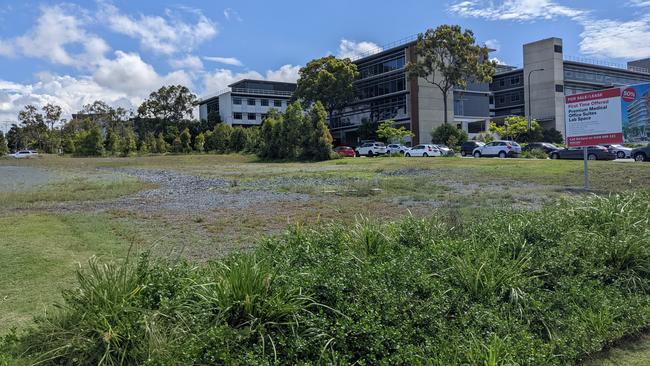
<point>547,147</point>
<point>445,150</point>
<point>621,151</point>
<point>467,148</point>
<point>641,153</point>
<point>24,154</point>
<point>396,148</point>
<point>371,149</point>
<point>423,150</point>
<point>345,151</point>
<point>577,153</point>
<point>499,148</point>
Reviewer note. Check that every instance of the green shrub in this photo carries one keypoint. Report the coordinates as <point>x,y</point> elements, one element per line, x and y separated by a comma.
<point>532,288</point>
<point>534,154</point>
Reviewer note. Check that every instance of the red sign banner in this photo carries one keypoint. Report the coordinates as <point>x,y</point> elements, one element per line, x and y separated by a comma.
<point>591,140</point>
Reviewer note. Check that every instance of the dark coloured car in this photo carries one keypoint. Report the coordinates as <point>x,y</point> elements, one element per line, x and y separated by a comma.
<point>547,147</point>
<point>577,153</point>
<point>468,147</point>
<point>641,154</point>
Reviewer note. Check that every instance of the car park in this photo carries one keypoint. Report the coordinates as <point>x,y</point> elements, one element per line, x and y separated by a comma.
<point>499,148</point>
<point>396,149</point>
<point>445,150</point>
<point>467,147</point>
<point>424,150</point>
<point>345,151</point>
<point>24,154</point>
<point>621,151</point>
<point>577,153</point>
<point>371,149</point>
<point>641,154</point>
<point>547,147</point>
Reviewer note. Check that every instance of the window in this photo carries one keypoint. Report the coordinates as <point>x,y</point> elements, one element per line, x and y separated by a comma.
<point>252,117</point>
<point>237,115</point>
<point>557,48</point>
<point>277,103</point>
<point>236,101</point>
<point>264,102</point>
<point>251,101</point>
<point>514,98</point>
<point>559,88</point>
<point>264,115</point>
<point>514,80</point>
<point>502,99</point>
<point>502,82</point>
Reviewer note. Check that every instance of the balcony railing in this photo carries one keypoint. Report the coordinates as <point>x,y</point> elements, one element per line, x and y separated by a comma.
<point>262,91</point>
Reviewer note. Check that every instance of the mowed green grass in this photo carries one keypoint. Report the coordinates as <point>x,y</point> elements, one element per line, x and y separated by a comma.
<point>39,254</point>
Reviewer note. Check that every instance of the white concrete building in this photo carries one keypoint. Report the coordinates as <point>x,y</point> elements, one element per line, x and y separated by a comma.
<point>246,102</point>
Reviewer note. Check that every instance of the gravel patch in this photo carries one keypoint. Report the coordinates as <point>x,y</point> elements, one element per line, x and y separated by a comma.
<point>20,178</point>
<point>178,192</point>
<point>278,182</point>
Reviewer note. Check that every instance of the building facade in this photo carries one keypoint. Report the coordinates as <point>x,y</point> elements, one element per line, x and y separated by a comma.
<point>246,102</point>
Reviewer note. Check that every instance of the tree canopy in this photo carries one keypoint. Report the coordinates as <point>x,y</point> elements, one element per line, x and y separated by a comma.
<point>171,103</point>
<point>516,128</point>
<point>328,80</point>
<point>449,57</point>
<point>390,133</point>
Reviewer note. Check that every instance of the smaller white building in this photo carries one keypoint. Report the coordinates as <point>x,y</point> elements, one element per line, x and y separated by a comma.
<point>246,102</point>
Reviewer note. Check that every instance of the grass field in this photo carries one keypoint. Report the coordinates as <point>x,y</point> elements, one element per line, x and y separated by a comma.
<point>90,207</point>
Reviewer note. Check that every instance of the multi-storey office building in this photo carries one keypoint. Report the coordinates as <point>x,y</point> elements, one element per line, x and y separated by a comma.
<point>638,127</point>
<point>246,102</point>
<point>551,77</point>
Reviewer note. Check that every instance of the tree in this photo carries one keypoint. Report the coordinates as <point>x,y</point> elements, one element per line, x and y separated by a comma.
<point>290,133</point>
<point>447,134</point>
<point>161,144</point>
<point>33,127</point>
<point>238,139</point>
<point>390,133</point>
<point>552,135</point>
<point>186,140</point>
<point>15,138</point>
<point>199,142</point>
<point>89,142</point>
<point>220,138</point>
<point>169,103</point>
<point>447,57</point>
<point>328,80</point>
<point>52,114</point>
<point>320,141</point>
<point>368,130</point>
<point>112,141</point>
<point>128,142</point>
<point>4,149</point>
<point>514,128</point>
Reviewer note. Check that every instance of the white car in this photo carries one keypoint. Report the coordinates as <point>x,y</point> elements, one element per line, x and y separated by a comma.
<point>24,154</point>
<point>499,148</point>
<point>423,150</point>
<point>445,150</point>
<point>371,149</point>
<point>621,151</point>
<point>396,148</point>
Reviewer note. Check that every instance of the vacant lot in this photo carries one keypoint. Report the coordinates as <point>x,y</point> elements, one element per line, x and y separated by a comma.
<point>57,212</point>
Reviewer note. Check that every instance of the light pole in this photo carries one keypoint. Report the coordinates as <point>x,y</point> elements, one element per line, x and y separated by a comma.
<point>530,113</point>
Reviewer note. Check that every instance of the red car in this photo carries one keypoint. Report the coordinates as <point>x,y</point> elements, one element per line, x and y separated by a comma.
<point>345,151</point>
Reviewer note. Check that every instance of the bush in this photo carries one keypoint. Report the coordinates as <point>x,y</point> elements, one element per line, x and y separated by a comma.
<point>447,134</point>
<point>534,154</point>
<point>533,288</point>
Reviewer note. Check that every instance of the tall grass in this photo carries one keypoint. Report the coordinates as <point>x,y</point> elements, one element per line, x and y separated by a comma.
<point>537,288</point>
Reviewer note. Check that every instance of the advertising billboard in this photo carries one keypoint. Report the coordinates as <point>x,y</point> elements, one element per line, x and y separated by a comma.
<point>594,118</point>
<point>635,112</point>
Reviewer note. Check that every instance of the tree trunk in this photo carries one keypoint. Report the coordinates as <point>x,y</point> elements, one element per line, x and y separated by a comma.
<point>444,103</point>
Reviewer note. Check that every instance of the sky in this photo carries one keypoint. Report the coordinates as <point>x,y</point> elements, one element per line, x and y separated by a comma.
<point>75,52</point>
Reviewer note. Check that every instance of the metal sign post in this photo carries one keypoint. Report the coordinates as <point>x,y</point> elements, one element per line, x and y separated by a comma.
<point>586,157</point>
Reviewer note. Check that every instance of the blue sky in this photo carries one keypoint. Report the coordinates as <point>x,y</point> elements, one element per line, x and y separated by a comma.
<point>74,52</point>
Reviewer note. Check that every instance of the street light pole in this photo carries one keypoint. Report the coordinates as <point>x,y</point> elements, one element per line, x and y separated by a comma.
<point>530,113</point>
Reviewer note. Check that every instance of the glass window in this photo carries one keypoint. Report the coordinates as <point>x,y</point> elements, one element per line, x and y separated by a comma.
<point>264,102</point>
<point>251,101</point>
<point>277,103</point>
<point>514,98</point>
<point>237,115</point>
<point>236,101</point>
<point>264,115</point>
<point>502,82</point>
<point>251,117</point>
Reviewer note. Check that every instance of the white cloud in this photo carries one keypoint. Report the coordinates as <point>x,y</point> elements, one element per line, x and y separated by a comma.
<point>286,73</point>
<point>220,79</point>
<point>232,61</point>
<point>163,35</point>
<point>640,3</point>
<point>353,50</point>
<point>190,62</point>
<point>231,14</point>
<point>493,44</point>
<point>57,28</point>
<point>517,10</point>
<point>498,61</point>
<point>616,39</point>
